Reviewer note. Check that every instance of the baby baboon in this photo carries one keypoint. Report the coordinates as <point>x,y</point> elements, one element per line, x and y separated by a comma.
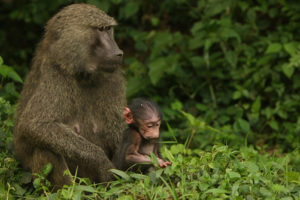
<point>141,138</point>
<point>70,110</point>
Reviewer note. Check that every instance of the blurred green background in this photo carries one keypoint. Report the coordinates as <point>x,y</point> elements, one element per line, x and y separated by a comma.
<point>223,71</point>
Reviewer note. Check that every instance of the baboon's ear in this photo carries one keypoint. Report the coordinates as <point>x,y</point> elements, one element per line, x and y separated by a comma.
<point>128,115</point>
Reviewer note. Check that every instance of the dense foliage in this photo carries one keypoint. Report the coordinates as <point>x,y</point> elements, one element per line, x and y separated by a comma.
<point>221,173</point>
<point>223,71</point>
<point>231,64</point>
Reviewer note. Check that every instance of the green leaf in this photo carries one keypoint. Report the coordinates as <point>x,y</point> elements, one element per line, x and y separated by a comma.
<point>189,117</point>
<point>135,84</point>
<point>274,48</point>
<point>195,42</point>
<point>291,48</point>
<point>268,112</point>
<point>216,191</point>
<point>85,188</point>
<point>282,114</point>
<point>168,154</point>
<point>236,95</point>
<point>222,148</point>
<point>201,107</point>
<point>177,105</point>
<point>138,176</point>
<point>244,125</point>
<point>209,42</point>
<point>216,8</point>
<point>232,175</point>
<point>25,178</point>
<point>176,149</point>
<point>252,167</point>
<point>227,33</point>
<point>274,125</point>
<point>288,70</point>
<point>231,58</point>
<point>1,61</point>
<point>278,188</point>
<point>4,70</point>
<point>154,159</point>
<point>130,9</point>
<point>13,75</point>
<point>244,189</point>
<point>52,196</point>
<point>255,108</point>
<point>9,72</point>
<point>120,173</point>
<point>287,198</point>
<point>11,89</point>
<point>197,61</point>
<point>154,21</point>
<point>156,70</point>
<point>125,197</point>
<point>37,183</point>
<point>163,39</point>
<point>3,170</point>
<point>235,187</point>
<point>47,169</point>
<point>293,177</point>
<point>197,27</point>
<point>265,192</point>
<point>158,173</point>
<point>19,190</point>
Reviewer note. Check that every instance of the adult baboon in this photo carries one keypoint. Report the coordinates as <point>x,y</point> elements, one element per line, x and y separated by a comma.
<point>70,110</point>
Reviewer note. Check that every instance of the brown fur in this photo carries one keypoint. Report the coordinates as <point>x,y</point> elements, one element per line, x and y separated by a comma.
<point>141,138</point>
<point>68,114</point>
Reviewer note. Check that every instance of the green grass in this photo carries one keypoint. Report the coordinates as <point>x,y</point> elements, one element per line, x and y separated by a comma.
<point>222,173</point>
<point>219,172</point>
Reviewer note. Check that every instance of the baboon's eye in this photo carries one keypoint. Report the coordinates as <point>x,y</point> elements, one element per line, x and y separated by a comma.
<point>107,28</point>
<point>104,28</point>
<point>101,28</point>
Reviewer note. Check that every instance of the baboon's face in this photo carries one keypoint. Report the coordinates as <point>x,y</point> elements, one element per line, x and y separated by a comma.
<point>105,49</point>
<point>149,128</point>
<point>80,39</point>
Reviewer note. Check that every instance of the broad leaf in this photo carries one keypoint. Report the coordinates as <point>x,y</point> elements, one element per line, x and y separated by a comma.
<point>288,70</point>
<point>274,48</point>
<point>120,173</point>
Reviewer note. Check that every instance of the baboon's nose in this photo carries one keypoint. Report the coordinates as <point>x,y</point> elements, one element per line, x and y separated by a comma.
<point>119,53</point>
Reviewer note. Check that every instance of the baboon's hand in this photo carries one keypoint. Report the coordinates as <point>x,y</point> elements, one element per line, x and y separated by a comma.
<point>105,175</point>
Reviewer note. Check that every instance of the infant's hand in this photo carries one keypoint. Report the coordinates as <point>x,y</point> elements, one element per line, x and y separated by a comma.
<point>163,163</point>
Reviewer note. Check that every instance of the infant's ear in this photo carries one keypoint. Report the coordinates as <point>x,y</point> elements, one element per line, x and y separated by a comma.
<point>128,115</point>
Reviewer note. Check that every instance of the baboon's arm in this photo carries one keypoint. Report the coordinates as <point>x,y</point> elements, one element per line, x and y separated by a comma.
<point>61,139</point>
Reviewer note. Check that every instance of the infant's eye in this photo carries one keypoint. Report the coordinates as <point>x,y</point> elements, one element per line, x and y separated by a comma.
<point>150,125</point>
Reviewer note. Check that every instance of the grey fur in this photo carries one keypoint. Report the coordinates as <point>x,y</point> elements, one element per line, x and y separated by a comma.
<point>68,114</point>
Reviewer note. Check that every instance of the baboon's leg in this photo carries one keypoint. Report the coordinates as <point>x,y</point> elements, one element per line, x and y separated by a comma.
<point>56,177</point>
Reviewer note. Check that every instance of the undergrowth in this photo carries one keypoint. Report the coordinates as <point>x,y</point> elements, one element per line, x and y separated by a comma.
<point>222,173</point>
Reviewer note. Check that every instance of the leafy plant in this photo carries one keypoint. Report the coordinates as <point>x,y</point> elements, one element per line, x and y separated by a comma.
<point>8,89</point>
<point>195,174</point>
<point>232,64</point>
